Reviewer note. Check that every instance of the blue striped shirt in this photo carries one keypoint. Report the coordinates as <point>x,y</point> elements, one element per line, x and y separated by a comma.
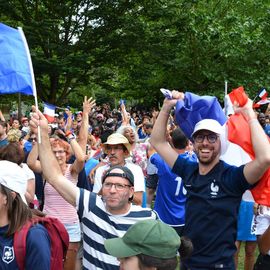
<point>99,225</point>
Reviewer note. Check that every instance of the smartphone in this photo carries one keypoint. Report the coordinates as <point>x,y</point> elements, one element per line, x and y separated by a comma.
<point>167,93</point>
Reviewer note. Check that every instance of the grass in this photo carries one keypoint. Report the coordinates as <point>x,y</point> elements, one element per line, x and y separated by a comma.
<point>242,257</point>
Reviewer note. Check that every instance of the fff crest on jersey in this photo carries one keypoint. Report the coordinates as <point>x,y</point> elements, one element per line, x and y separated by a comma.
<point>8,255</point>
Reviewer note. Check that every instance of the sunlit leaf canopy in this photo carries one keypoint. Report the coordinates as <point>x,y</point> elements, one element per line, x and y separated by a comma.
<point>131,48</point>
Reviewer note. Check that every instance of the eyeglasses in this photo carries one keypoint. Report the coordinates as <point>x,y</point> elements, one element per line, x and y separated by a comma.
<point>32,139</point>
<point>118,187</point>
<point>60,152</point>
<point>211,138</point>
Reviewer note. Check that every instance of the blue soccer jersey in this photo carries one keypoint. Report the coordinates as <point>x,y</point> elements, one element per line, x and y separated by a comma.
<point>211,212</point>
<point>170,194</point>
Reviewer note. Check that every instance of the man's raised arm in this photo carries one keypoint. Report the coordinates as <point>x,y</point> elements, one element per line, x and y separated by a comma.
<point>158,136</point>
<point>255,169</point>
<point>49,165</point>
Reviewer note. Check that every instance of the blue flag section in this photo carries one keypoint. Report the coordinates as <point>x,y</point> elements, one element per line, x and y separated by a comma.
<point>195,108</point>
<point>15,67</point>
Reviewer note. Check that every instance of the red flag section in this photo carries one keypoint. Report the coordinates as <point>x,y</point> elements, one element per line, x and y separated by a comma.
<point>239,133</point>
<point>238,95</point>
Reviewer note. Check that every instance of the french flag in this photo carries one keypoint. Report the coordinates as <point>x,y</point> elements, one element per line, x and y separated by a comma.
<point>263,93</point>
<point>236,140</point>
<point>261,102</point>
<point>263,98</point>
<point>49,111</point>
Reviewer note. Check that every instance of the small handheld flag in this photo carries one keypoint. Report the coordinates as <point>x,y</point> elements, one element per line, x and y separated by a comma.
<point>263,93</point>
<point>49,112</point>
<point>167,93</point>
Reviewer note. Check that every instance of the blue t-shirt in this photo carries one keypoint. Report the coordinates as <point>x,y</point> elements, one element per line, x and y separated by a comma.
<point>170,194</point>
<point>211,212</point>
<point>141,134</point>
<point>38,249</point>
<point>89,165</point>
<point>4,142</point>
<point>267,129</point>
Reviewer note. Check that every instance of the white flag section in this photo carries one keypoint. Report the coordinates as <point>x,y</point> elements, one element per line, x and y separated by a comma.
<point>49,112</point>
<point>263,93</point>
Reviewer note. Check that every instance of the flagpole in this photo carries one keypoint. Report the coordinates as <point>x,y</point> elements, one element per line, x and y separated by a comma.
<point>31,72</point>
<point>225,94</point>
<point>226,88</point>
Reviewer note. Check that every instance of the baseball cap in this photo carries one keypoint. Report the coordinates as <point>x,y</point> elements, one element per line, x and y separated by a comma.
<point>127,173</point>
<point>117,138</point>
<point>13,177</point>
<point>208,124</point>
<point>149,237</point>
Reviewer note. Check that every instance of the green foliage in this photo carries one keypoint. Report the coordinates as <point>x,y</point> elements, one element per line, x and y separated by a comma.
<point>129,49</point>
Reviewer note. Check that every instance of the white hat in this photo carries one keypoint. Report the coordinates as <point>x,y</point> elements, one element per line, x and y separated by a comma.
<point>117,138</point>
<point>13,177</point>
<point>208,124</point>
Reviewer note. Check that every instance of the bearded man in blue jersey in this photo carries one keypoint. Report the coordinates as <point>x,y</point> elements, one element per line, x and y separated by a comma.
<point>214,188</point>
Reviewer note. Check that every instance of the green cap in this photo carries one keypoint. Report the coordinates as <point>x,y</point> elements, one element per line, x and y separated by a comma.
<point>149,237</point>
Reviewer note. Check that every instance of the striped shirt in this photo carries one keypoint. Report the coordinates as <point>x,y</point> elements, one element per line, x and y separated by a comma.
<point>55,205</point>
<point>99,225</point>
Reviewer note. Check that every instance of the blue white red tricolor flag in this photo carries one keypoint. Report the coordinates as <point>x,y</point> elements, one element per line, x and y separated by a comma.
<point>262,93</point>
<point>237,132</point>
<point>49,111</point>
<point>263,98</point>
<point>16,71</point>
<point>261,102</point>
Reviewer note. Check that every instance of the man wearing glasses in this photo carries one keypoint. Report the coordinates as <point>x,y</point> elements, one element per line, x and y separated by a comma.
<point>214,188</point>
<point>104,216</point>
<point>117,149</point>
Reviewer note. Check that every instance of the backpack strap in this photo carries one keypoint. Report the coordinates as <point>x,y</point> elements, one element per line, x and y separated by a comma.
<point>58,236</point>
<point>59,240</point>
<point>19,244</point>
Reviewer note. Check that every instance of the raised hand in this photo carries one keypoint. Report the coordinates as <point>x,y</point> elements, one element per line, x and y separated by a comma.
<point>38,119</point>
<point>169,103</point>
<point>88,104</point>
<point>246,110</point>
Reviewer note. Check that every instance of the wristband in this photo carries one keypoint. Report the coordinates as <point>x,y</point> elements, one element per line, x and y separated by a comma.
<point>68,133</point>
<point>71,138</point>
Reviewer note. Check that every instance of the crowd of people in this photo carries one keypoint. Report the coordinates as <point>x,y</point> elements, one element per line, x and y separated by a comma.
<point>133,189</point>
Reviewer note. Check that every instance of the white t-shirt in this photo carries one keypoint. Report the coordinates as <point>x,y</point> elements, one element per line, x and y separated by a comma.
<point>139,184</point>
<point>29,173</point>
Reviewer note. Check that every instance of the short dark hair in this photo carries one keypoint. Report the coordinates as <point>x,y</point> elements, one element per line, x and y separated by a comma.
<point>3,124</point>
<point>12,152</point>
<point>179,139</point>
<point>160,264</point>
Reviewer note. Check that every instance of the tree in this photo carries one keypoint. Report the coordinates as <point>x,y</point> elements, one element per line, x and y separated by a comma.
<point>129,49</point>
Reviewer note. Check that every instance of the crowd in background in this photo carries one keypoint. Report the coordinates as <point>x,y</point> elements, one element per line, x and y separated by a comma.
<point>80,163</point>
